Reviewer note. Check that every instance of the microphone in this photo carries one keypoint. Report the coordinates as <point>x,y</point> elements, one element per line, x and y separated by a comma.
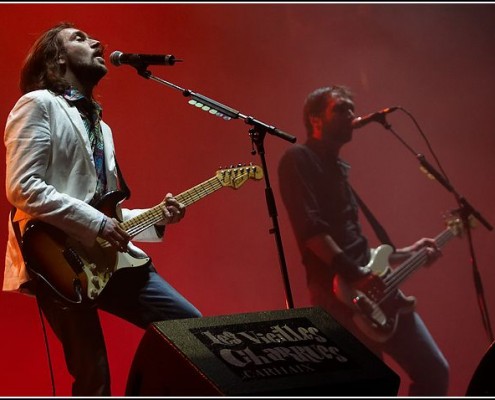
<point>118,58</point>
<point>378,116</point>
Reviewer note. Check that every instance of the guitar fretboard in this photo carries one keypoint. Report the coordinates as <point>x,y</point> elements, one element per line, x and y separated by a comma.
<point>150,217</point>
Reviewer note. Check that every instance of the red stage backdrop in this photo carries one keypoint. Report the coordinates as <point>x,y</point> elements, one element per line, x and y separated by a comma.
<point>435,60</point>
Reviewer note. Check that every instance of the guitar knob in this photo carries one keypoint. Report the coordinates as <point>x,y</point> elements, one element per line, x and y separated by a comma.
<point>95,281</point>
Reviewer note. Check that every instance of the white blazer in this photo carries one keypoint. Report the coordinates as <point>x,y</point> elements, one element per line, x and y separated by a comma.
<point>51,176</point>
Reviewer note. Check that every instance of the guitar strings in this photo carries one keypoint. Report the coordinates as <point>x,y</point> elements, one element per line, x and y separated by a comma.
<point>393,280</point>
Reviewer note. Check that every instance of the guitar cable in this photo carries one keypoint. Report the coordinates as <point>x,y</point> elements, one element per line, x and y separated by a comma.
<point>77,288</point>
<point>47,347</point>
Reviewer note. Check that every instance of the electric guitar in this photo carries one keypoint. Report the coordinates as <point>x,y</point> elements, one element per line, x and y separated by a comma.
<point>79,273</point>
<point>377,301</point>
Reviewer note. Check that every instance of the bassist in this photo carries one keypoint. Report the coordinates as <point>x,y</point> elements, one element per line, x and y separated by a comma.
<point>323,212</point>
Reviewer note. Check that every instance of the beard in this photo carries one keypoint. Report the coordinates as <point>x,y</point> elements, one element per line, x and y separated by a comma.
<point>89,74</point>
<point>336,134</point>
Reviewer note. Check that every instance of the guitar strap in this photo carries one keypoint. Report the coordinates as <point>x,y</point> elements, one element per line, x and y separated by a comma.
<point>377,227</point>
<point>15,226</point>
<point>28,287</point>
<point>122,183</point>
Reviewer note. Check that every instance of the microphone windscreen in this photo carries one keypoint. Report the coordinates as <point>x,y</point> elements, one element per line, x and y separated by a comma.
<point>115,58</point>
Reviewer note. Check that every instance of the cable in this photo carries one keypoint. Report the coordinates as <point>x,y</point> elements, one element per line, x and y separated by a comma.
<point>47,349</point>
<point>427,143</point>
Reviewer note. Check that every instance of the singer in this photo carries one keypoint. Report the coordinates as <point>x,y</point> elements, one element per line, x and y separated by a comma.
<point>54,125</point>
<point>323,210</point>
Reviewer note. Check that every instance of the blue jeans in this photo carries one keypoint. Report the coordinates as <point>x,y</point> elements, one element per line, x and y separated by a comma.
<point>415,350</point>
<point>138,295</point>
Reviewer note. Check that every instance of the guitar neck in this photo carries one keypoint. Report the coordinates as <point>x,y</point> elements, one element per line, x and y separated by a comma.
<point>403,271</point>
<point>150,217</point>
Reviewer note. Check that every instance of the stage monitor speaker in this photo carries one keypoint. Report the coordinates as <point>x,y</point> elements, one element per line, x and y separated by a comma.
<point>482,382</point>
<point>296,352</point>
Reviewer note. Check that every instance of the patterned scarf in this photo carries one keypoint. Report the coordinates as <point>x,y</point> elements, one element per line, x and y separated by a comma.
<point>91,113</point>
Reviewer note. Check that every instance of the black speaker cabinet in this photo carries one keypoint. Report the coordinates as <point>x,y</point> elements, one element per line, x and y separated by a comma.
<point>296,352</point>
<point>482,382</point>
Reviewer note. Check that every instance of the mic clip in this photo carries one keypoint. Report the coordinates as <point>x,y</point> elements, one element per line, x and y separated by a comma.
<point>382,119</point>
<point>142,66</point>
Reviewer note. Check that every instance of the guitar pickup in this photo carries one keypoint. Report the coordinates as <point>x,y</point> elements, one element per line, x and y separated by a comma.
<point>371,310</point>
<point>363,304</point>
<point>74,260</point>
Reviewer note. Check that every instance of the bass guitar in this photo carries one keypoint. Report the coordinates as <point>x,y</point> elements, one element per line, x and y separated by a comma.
<point>79,273</point>
<point>377,300</point>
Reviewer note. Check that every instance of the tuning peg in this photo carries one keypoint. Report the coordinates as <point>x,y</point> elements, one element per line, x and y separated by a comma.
<point>427,173</point>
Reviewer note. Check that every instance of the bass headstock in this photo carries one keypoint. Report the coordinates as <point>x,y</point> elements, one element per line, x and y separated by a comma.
<point>456,223</point>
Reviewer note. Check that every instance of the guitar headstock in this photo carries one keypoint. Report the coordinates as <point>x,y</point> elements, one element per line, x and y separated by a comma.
<point>236,176</point>
<point>455,223</point>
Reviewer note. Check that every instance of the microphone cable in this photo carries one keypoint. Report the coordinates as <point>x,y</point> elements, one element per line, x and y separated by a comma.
<point>430,148</point>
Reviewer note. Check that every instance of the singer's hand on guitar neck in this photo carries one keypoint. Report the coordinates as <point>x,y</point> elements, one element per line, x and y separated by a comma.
<point>173,211</point>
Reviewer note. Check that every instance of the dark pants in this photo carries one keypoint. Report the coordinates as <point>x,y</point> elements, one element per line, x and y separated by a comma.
<point>138,295</point>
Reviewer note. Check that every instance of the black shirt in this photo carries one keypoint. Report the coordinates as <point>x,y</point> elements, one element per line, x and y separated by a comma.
<point>318,198</point>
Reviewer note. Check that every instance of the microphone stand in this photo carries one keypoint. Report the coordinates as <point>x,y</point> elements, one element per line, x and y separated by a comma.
<point>257,133</point>
<point>465,211</point>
